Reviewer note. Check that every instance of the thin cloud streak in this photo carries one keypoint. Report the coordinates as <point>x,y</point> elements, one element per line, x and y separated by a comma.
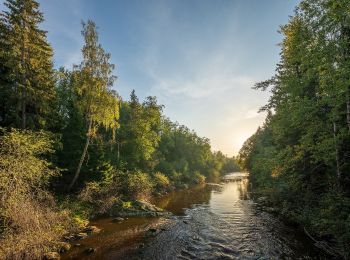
<point>205,82</point>
<point>200,58</point>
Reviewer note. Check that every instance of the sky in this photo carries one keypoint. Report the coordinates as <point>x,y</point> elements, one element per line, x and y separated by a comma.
<point>201,58</point>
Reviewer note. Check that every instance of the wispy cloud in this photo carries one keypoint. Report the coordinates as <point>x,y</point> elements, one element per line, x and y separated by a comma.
<point>200,58</point>
<point>202,83</point>
<point>202,86</point>
<point>65,36</point>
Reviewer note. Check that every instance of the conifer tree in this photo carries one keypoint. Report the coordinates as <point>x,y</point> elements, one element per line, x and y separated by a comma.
<point>26,60</point>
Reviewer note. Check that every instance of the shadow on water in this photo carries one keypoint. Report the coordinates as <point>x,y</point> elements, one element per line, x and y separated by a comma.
<point>178,201</point>
<point>215,221</point>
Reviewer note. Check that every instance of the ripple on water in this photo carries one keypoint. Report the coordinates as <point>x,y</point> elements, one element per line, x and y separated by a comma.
<point>226,225</point>
<point>210,222</point>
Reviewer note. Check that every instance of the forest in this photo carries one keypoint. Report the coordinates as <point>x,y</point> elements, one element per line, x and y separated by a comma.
<point>71,147</point>
<point>300,157</point>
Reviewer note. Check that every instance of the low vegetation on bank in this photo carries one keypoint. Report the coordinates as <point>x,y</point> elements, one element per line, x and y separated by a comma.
<point>71,147</point>
<point>299,158</point>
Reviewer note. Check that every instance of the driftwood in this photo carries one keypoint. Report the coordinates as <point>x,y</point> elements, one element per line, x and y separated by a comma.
<point>324,246</point>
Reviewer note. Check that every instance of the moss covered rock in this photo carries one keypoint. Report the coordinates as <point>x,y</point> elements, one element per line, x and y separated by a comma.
<point>135,209</point>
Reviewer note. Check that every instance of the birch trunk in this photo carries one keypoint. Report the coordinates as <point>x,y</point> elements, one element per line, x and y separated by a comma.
<point>82,158</point>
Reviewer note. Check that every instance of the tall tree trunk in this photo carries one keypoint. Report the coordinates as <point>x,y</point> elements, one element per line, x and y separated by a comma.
<point>348,108</point>
<point>335,130</point>
<point>82,158</point>
<point>23,78</point>
<point>118,154</point>
<point>24,115</point>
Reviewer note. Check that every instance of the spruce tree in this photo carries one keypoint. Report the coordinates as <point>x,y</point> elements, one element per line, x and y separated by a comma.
<point>26,60</point>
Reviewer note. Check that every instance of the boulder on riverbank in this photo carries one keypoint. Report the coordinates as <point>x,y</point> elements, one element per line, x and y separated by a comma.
<point>81,235</point>
<point>136,208</point>
<point>91,230</point>
<point>214,185</point>
<point>64,247</point>
<point>118,219</point>
<point>52,256</point>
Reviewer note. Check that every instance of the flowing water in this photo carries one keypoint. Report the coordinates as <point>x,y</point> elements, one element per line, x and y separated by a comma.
<point>208,222</point>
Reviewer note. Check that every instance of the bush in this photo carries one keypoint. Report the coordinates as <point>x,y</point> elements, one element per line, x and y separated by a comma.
<point>213,175</point>
<point>138,185</point>
<point>199,178</point>
<point>102,196</point>
<point>31,222</point>
<point>161,182</point>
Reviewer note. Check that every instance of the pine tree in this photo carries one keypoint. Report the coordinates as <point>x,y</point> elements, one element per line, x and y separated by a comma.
<point>26,57</point>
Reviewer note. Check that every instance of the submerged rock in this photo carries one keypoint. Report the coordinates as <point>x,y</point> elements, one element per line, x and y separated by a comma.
<point>81,235</point>
<point>91,229</point>
<point>152,232</point>
<point>118,219</point>
<point>90,250</point>
<point>52,256</point>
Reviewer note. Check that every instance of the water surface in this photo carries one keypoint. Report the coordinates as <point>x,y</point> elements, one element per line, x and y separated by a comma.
<point>210,222</point>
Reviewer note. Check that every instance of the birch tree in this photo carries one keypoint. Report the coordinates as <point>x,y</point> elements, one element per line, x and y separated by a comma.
<point>93,84</point>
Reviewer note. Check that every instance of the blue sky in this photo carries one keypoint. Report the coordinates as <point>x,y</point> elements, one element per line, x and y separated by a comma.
<point>199,57</point>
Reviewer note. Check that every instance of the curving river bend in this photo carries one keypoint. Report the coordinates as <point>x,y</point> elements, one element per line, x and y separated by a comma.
<point>209,222</point>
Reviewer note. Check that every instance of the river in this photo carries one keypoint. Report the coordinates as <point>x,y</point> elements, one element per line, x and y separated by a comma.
<point>209,222</point>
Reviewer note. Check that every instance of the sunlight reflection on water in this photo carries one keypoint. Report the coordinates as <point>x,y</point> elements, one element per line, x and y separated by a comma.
<point>214,221</point>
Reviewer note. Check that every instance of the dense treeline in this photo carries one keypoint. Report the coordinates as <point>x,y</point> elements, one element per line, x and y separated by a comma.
<point>300,157</point>
<point>67,131</point>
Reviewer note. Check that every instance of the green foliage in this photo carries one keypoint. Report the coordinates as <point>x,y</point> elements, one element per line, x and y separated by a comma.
<point>31,222</point>
<point>139,134</point>
<point>125,150</point>
<point>161,182</point>
<point>27,89</point>
<point>94,99</point>
<point>199,178</point>
<point>101,196</point>
<point>301,153</point>
<point>22,169</point>
<point>137,185</point>
<point>92,83</point>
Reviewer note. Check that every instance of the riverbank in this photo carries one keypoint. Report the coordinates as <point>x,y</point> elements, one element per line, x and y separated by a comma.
<point>40,207</point>
<point>268,201</point>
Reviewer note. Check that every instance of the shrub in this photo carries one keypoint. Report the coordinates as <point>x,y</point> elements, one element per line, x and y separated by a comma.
<point>213,175</point>
<point>161,182</point>
<point>31,222</point>
<point>199,178</point>
<point>102,196</point>
<point>138,185</point>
